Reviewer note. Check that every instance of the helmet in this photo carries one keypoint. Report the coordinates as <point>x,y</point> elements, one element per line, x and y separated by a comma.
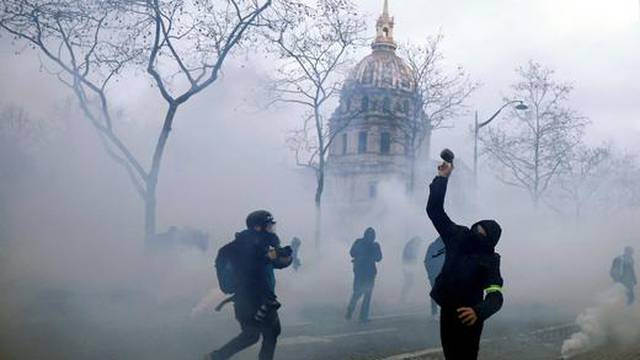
<point>261,218</point>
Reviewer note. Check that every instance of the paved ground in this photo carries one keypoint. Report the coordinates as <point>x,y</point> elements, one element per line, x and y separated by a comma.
<point>414,337</point>
<point>63,326</point>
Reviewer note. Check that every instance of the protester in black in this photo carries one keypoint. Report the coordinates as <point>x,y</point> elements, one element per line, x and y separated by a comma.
<point>256,252</point>
<point>365,253</point>
<point>471,269</point>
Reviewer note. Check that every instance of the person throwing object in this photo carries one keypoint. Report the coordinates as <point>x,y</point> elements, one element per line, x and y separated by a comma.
<point>469,288</point>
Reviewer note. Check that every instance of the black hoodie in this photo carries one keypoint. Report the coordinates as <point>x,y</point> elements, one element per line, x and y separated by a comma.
<point>366,253</point>
<point>471,266</point>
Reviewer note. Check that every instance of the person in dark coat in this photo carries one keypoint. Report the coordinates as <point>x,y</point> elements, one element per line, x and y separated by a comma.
<point>409,265</point>
<point>433,262</point>
<point>256,253</point>
<point>623,272</point>
<point>471,270</point>
<point>365,253</point>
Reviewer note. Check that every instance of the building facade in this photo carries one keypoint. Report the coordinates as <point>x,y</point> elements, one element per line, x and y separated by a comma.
<point>377,100</point>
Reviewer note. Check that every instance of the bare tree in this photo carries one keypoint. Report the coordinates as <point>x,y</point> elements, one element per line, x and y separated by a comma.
<point>584,173</point>
<point>21,137</point>
<point>440,95</point>
<point>313,50</point>
<point>624,189</point>
<point>191,42</point>
<point>86,43</point>
<point>530,148</point>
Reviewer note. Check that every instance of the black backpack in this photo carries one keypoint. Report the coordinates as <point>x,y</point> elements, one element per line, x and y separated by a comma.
<point>225,269</point>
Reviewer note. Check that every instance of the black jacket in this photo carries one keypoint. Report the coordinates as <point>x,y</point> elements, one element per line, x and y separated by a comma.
<point>471,265</point>
<point>365,253</point>
<point>252,271</point>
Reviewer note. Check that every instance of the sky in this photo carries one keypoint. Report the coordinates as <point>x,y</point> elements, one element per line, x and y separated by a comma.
<point>592,44</point>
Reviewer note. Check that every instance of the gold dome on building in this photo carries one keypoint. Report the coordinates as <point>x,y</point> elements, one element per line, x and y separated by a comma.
<point>383,68</point>
<point>370,143</point>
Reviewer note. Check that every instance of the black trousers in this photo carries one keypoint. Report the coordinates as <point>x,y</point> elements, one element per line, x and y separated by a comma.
<point>251,331</point>
<point>459,342</point>
<point>362,287</point>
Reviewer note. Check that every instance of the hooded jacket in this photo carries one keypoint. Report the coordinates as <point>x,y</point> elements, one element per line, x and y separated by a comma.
<point>471,267</point>
<point>366,253</point>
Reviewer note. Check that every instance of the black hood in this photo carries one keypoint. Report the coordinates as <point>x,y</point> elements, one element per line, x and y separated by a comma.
<point>369,234</point>
<point>493,230</point>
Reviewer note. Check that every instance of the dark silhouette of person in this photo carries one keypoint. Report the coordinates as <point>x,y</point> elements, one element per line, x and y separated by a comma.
<point>255,252</point>
<point>623,272</point>
<point>471,269</point>
<point>365,253</point>
<point>433,262</point>
<point>409,265</point>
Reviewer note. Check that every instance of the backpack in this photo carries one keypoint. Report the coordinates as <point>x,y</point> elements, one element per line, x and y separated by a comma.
<point>225,269</point>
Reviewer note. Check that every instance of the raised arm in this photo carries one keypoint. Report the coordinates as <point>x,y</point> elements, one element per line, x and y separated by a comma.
<point>435,208</point>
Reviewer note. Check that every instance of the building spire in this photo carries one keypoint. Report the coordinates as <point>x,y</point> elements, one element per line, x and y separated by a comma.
<point>384,31</point>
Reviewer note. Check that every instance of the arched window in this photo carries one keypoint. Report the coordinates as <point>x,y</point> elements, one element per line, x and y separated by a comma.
<point>385,143</point>
<point>365,103</point>
<point>362,142</point>
<point>405,108</point>
<point>386,104</point>
<point>373,190</point>
<point>344,144</point>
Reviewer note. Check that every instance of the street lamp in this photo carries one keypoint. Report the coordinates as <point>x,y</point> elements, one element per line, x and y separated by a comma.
<point>521,107</point>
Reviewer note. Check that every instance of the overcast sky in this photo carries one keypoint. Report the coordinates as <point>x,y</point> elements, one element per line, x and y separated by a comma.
<point>594,44</point>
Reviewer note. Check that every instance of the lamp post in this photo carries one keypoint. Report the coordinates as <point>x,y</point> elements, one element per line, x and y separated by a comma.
<point>479,125</point>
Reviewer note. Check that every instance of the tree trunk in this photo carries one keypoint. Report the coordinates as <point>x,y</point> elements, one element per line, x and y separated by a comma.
<point>320,173</point>
<point>427,144</point>
<point>318,204</point>
<point>149,217</point>
<point>152,180</point>
<point>318,225</point>
<point>412,174</point>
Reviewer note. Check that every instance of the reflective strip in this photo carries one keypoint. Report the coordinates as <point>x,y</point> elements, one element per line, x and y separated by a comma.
<point>493,288</point>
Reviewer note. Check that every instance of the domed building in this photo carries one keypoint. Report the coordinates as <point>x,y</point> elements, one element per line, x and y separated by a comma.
<point>377,101</point>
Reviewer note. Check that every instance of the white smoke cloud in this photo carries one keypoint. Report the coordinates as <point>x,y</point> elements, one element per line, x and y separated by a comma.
<point>610,320</point>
